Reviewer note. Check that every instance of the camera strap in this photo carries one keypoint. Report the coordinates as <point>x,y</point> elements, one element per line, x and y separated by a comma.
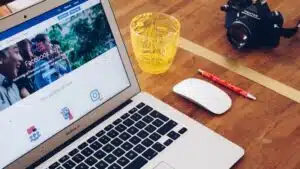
<point>289,32</point>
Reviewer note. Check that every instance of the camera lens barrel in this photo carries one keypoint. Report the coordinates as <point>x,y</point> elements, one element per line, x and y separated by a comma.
<point>241,32</point>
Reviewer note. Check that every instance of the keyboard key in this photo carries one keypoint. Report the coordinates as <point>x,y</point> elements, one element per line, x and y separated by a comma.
<point>168,142</point>
<point>108,148</point>
<point>134,140</point>
<point>92,139</point>
<point>147,142</point>
<point>142,134</point>
<point>60,167</point>
<point>133,110</point>
<point>149,154</point>
<point>139,148</point>
<point>118,152</point>
<point>78,158</point>
<point>82,166</point>
<point>116,122</point>
<point>158,147</point>
<point>114,166</point>
<point>150,128</point>
<point>73,152</point>
<point>128,122</point>
<point>104,139</point>
<point>158,123</point>
<point>131,155</point>
<point>69,164</point>
<point>82,146</point>
<point>91,161</point>
<point>167,127</point>
<point>156,114</point>
<point>123,161</point>
<point>124,136</point>
<point>120,128</point>
<point>183,130</point>
<point>99,154</point>
<point>126,146</point>
<point>109,127</point>
<point>140,125</point>
<point>113,134</point>
<point>87,152</point>
<point>132,130</point>
<point>64,159</point>
<point>141,105</point>
<point>92,168</point>
<point>116,142</point>
<point>54,165</point>
<point>173,135</point>
<point>148,119</point>
<point>125,116</point>
<point>136,117</point>
<point>137,163</point>
<point>96,145</point>
<point>155,136</point>
<point>110,158</point>
<point>101,165</point>
<point>144,111</point>
<point>100,133</point>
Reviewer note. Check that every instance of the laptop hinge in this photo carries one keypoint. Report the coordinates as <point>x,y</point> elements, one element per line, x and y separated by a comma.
<point>73,139</point>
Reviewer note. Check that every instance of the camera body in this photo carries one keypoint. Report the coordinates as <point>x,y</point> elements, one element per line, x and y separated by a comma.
<point>254,25</point>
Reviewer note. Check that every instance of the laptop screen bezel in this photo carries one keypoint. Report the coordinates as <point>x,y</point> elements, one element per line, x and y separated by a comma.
<point>93,116</point>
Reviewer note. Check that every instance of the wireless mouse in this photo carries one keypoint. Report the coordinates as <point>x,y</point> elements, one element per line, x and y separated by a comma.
<point>205,95</point>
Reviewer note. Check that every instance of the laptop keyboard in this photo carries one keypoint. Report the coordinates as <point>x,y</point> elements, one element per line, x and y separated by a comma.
<point>128,143</point>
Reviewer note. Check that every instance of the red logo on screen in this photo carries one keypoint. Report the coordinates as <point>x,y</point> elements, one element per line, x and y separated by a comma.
<point>33,133</point>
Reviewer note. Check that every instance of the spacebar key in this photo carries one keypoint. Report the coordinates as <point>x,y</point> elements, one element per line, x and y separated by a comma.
<point>167,127</point>
<point>138,163</point>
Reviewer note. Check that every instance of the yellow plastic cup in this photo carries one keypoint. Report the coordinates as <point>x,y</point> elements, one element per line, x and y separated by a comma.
<point>154,37</point>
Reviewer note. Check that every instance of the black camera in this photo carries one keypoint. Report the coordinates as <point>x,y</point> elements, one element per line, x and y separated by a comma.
<point>253,25</point>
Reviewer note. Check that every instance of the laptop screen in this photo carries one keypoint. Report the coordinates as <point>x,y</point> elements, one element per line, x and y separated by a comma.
<point>55,69</point>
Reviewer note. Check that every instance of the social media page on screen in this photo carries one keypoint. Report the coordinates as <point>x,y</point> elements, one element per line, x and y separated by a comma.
<point>55,69</point>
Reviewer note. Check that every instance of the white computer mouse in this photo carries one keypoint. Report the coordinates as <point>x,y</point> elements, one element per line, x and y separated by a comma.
<point>205,95</point>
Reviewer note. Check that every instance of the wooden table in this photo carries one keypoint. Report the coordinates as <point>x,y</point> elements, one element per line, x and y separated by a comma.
<point>268,129</point>
<point>4,11</point>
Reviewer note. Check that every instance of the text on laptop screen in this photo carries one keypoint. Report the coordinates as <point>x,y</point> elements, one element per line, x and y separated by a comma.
<point>54,69</point>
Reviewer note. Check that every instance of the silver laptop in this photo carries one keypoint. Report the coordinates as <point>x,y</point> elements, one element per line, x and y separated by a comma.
<point>69,99</point>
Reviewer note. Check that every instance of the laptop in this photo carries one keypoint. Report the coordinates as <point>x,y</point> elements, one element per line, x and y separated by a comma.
<point>69,98</point>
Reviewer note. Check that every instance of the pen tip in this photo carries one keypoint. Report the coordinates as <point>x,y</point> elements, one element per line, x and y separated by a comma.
<point>200,71</point>
<point>250,96</point>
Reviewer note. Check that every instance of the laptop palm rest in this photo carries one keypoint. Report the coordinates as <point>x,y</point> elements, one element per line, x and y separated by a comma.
<point>163,165</point>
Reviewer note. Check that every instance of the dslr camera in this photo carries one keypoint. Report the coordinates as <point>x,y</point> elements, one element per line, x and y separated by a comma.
<point>253,25</point>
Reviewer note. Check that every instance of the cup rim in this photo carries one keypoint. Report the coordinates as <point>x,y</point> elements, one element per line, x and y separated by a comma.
<point>159,13</point>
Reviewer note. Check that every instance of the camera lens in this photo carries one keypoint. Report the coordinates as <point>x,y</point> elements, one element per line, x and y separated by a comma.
<point>238,35</point>
<point>243,31</point>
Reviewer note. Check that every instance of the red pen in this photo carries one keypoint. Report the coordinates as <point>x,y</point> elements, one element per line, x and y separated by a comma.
<point>226,84</point>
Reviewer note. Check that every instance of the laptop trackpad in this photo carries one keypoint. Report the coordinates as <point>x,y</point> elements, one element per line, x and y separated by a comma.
<point>163,165</point>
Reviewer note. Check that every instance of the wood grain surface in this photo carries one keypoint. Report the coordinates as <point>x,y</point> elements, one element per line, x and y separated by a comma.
<point>269,128</point>
<point>4,11</point>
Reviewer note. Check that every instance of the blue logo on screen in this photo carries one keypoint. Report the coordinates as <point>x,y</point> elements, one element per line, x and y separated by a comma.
<point>95,95</point>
